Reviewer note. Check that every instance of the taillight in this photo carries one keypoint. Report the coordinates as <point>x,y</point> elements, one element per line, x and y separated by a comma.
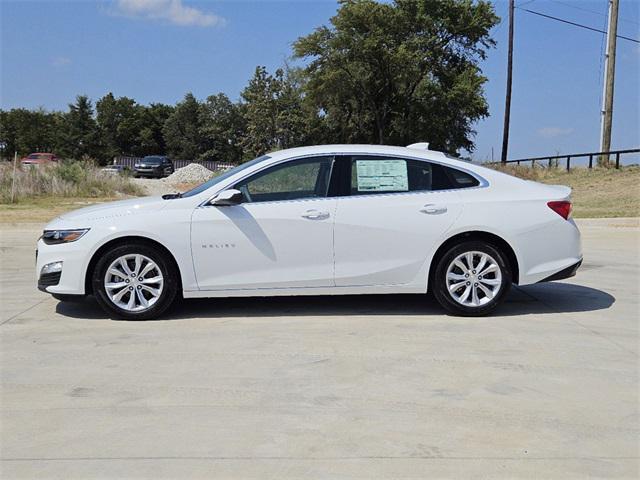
<point>562,208</point>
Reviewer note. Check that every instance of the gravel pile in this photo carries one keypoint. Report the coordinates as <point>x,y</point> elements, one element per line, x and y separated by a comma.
<point>192,173</point>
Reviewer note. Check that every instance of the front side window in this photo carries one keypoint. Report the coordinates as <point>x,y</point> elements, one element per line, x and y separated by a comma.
<point>293,180</point>
<point>371,175</point>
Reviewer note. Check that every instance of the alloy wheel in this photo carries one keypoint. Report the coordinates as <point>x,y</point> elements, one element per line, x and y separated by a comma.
<point>473,279</point>
<point>133,282</point>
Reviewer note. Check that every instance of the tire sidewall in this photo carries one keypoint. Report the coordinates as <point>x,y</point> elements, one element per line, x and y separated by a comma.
<point>168,270</point>
<point>440,289</point>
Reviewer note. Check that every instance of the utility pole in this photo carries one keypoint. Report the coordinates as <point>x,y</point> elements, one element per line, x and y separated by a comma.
<point>507,103</point>
<point>609,81</point>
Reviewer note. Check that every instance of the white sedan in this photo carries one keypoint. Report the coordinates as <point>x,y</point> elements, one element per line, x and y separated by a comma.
<point>323,220</point>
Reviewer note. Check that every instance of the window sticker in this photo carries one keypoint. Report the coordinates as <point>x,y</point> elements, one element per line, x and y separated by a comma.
<point>382,176</point>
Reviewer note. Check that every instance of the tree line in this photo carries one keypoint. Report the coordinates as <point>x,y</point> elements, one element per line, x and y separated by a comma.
<point>387,73</point>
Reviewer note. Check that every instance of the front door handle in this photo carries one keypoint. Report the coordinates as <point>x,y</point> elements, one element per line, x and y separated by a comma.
<point>315,215</point>
<point>432,209</point>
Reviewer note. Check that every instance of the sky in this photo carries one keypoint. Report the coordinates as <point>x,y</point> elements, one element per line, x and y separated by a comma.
<point>157,50</point>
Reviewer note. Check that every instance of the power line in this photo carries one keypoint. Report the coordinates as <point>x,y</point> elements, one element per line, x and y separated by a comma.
<point>577,24</point>
<point>587,10</point>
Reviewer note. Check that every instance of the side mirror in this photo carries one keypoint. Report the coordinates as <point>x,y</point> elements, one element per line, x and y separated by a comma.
<point>227,198</point>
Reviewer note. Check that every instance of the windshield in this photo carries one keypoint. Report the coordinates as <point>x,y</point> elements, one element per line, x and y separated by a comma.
<point>36,156</point>
<point>152,160</point>
<point>224,176</point>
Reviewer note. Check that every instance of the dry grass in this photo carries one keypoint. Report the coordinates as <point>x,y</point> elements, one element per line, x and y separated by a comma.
<point>600,192</point>
<point>67,179</point>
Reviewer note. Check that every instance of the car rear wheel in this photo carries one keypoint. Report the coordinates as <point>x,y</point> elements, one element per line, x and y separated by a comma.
<point>472,279</point>
<point>135,282</point>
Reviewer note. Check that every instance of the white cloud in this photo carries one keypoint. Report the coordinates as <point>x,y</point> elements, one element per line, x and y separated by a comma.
<point>171,11</point>
<point>553,132</point>
<point>60,62</point>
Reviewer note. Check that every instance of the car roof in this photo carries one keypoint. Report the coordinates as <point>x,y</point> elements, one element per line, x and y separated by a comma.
<point>362,149</point>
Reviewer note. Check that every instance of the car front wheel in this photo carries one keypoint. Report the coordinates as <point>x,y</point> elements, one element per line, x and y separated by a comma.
<point>135,282</point>
<point>472,279</point>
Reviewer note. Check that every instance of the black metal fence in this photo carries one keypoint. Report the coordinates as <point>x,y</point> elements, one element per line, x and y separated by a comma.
<point>210,164</point>
<point>555,160</point>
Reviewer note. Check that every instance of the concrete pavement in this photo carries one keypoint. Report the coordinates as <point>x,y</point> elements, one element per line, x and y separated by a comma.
<point>340,387</point>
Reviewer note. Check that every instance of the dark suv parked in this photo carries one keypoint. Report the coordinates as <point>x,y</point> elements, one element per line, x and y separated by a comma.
<point>153,166</point>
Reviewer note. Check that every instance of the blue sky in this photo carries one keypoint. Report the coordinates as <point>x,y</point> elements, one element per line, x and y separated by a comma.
<point>156,52</point>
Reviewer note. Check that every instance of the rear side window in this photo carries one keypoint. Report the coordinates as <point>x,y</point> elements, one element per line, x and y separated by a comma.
<point>371,175</point>
<point>461,179</point>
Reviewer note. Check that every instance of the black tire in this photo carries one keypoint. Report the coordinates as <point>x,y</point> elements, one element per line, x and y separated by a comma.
<point>440,287</point>
<point>166,266</point>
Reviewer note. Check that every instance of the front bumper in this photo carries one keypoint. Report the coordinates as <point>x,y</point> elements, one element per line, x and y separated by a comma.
<point>48,280</point>
<point>147,172</point>
<point>69,281</point>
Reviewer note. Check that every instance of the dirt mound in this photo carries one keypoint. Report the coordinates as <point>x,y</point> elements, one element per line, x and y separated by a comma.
<point>192,173</point>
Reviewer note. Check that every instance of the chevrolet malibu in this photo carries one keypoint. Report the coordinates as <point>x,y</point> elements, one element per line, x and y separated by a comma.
<point>323,220</point>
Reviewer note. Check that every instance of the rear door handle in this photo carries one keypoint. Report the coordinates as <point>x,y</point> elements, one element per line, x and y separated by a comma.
<point>315,215</point>
<point>432,209</point>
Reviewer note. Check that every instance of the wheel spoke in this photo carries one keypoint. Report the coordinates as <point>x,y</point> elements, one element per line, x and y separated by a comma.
<point>115,286</point>
<point>132,301</point>
<point>491,268</point>
<point>143,301</point>
<point>125,267</point>
<point>469,258</point>
<point>153,291</point>
<point>116,272</point>
<point>138,264</point>
<point>481,264</point>
<point>491,281</point>
<point>147,268</point>
<point>118,296</point>
<point>147,281</point>
<point>461,266</point>
<point>455,276</point>
<point>474,298</point>
<point>455,286</point>
<point>465,294</point>
<point>487,292</point>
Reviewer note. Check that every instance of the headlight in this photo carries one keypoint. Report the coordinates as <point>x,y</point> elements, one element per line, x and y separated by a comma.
<point>54,237</point>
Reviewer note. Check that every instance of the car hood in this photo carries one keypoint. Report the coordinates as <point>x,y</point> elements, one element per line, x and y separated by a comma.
<point>121,208</point>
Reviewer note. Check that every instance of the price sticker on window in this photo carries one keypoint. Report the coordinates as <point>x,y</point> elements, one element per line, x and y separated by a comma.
<point>382,176</point>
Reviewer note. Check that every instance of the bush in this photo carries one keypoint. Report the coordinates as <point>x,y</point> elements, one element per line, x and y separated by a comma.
<point>64,179</point>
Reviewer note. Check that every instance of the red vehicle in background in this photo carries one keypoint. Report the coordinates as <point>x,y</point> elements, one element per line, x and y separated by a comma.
<point>39,159</point>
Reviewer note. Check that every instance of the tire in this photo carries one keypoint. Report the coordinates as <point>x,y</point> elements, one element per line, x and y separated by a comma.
<point>157,287</point>
<point>490,289</point>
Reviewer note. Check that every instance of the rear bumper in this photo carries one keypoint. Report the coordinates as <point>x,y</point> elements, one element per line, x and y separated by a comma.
<point>568,272</point>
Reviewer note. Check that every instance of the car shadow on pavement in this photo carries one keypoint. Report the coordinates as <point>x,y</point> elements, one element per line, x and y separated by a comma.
<point>533,299</point>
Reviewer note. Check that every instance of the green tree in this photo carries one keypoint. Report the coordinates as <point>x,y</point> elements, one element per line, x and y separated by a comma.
<point>27,131</point>
<point>119,123</point>
<point>150,140</point>
<point>400,72</point>
<point>182,130</point>
<point>272,106</point>
<point>221,129</point>
<point>79,137</point>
